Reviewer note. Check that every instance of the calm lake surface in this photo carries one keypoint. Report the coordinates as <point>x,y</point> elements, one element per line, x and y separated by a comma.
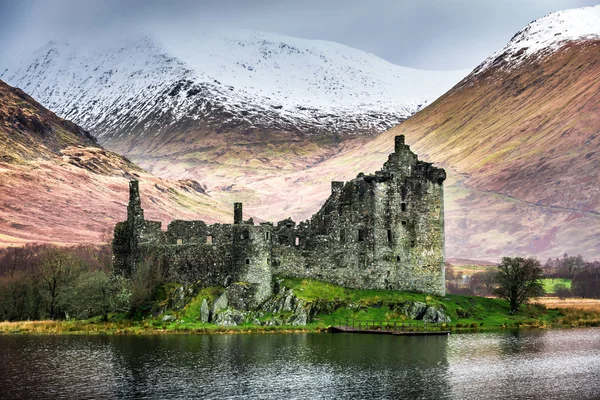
<point>561,364</point>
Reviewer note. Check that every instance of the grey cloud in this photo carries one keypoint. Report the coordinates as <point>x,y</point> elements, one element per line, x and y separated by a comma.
<point>430,34</point>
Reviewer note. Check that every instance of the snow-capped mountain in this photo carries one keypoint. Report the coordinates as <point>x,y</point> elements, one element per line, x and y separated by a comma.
<point>225,80</point>
<point>545,36</point>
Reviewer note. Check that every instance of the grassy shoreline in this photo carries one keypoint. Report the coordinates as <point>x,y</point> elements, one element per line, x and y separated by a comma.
<point>84,328</point>
<point>336,304</point>
<point>552,319</point>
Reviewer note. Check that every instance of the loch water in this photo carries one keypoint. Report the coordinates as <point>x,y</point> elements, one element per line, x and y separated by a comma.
<point>525,364</point>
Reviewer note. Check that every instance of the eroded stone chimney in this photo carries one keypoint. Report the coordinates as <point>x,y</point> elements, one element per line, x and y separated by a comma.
<point>135,212</point>
<point>399,144</point>
<point>237,213</point>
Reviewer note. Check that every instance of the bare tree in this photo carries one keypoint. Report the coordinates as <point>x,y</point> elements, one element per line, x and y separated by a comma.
<point>97,293</point>
<point>20,259</point>
<point>56,271</point>
<point>483,283</point>
<point>518,279</point>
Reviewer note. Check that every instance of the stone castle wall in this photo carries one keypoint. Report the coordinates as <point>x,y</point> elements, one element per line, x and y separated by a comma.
<point>380,231</point>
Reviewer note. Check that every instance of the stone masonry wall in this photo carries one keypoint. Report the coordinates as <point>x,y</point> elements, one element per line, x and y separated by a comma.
<point>380,231</point>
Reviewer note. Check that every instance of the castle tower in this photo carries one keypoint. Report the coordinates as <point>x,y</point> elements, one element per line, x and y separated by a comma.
<point>135,213</point>
<point>237,213</point>
<point>399,144</point>
<point>127,234</point>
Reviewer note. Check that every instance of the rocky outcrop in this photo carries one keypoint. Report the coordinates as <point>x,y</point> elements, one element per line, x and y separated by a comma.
<point>421,311</point>
<point>233,307</point>
<point>219,305</point>
<point>285,302</point>
<point>435,316</point>
<point>230,317</point>
<point>204,311</point>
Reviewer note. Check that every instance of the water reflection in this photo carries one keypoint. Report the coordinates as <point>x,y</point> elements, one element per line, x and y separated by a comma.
<point>522,341</point>
<point>534,364</point>
<point>307,366</point>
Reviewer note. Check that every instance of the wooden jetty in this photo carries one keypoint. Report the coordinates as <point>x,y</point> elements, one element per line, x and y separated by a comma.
<point>397,328</point>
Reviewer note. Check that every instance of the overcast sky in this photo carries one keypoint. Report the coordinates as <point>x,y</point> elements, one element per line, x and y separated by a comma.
<point>426,34</point>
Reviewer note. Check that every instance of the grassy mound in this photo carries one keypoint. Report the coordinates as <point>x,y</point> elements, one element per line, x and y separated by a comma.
<point>384,305</point>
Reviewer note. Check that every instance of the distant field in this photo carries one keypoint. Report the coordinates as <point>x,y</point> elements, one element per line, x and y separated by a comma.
<point>468,270</point>
<point>575,304</point>
<point>549,284</point>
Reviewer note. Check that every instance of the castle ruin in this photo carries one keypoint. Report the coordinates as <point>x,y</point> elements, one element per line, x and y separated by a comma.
<point>380,231</point>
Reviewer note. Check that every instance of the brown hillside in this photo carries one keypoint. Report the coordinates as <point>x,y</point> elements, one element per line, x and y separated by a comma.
<point>57,185</point>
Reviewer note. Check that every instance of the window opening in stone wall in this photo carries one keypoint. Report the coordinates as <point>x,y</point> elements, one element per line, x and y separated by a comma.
<point>268,261</point>
<point>389,236</point>
<point>403,206</point>
<point>209,239</point>
<point>297,241</point>
<point>267,235</point>
<point>403,222</point>
<point>397,258</point>
<point>412,243</point>
<point>247,261</point>
<point>361,235</point>
<point>179,241</point>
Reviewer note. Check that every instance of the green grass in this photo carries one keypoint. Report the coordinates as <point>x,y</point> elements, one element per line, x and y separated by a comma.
<point>336,304</point>
<point>385,305</point>
<point>192,310</point>
<point>549,284</point>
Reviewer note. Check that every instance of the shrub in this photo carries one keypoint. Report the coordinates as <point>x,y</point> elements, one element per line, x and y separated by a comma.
<point>562,291</point>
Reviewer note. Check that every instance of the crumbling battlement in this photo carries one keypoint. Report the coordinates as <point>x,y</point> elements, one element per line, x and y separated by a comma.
<point>379,231</point>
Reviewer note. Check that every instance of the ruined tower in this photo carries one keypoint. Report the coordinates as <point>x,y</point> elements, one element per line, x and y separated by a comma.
<point>237,213</point>
<point>130,234</point>
<point>379,231</point>
<point>135,213</point>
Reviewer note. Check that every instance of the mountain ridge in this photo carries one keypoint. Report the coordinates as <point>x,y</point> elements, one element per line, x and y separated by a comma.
<point>296,84</point>
<point>183,108</point>
<point>546,35</point>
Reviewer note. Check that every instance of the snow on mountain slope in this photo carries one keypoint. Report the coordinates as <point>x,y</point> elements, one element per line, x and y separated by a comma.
<point>546,35</point>
<point>296,72</point>
<point>227,80</point>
